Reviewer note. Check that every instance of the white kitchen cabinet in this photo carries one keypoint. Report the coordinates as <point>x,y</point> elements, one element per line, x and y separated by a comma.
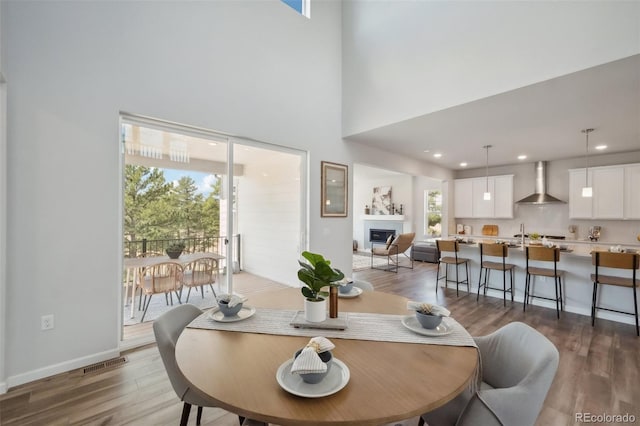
<point>463,198</point>
<point>469,199</point>
<point>632,191</point>
<point>579,207</point>
<point>615,193</point>
<point>608,192</point>
<point>482,207</point>
<point>503,200</point>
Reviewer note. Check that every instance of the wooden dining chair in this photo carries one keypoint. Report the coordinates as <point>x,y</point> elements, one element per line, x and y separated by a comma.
<point>450,246</point>
<point>162,278</point>
<point>200,272</point>
<point>535,257</point>
<point>622,262</point>
<point>500,251</point>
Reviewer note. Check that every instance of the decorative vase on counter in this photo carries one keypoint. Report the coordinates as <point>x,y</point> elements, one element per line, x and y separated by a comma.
<point>315,310</point>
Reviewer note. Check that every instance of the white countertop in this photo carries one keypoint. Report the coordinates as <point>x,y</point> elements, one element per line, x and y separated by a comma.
<point>575,247</point>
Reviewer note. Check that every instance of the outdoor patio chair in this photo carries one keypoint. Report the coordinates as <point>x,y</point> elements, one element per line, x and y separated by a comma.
<point>200,273</point>
<point>392,251</point>
<point>163,278</point>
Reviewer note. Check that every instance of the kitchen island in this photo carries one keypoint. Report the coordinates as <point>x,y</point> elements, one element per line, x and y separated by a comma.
<point>575,261</point>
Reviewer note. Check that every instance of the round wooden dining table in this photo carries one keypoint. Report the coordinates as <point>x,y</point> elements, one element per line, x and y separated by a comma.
<point>388,381</point>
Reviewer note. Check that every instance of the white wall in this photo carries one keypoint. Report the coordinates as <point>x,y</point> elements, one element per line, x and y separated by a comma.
<point>3,212</point>
<point>406,59</point>
<point>554,218</point>
<point>255,69</point>
<point>269,218</point>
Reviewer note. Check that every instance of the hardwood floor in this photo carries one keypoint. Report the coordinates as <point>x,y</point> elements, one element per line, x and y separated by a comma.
<point>599,368</point>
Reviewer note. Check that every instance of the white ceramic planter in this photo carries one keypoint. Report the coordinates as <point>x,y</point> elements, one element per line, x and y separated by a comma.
<point>315,311</point>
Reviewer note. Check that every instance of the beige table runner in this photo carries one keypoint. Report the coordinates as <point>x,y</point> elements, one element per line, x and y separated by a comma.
<point>361,326</point>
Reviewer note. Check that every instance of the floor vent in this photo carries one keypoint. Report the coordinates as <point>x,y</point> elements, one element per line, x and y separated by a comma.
<point>115,362</point>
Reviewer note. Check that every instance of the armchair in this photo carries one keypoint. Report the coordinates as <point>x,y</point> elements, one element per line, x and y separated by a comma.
<point>392,251</point>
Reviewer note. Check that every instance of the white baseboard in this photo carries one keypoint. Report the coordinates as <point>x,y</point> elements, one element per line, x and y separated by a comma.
<point>3,387</point>
<point>62,367</point>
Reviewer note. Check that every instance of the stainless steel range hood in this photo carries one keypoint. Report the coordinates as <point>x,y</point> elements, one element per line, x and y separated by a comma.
<point>540,196</point>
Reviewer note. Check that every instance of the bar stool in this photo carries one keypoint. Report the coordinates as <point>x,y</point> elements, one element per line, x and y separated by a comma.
<point>501,251</point>
<point>450,246</point>
<point>625,261</point>
<point>543,254</point>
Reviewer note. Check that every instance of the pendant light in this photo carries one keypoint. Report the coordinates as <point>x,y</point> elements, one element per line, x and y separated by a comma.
<point>487,194</point>
<point>587,191</point>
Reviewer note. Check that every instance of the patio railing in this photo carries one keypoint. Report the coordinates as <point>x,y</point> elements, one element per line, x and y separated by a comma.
<point>215,244</point>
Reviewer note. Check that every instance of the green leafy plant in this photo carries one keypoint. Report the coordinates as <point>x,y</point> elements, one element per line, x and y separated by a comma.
<point>176,246</point>
<point>534,236</point>
<point>317,273</point>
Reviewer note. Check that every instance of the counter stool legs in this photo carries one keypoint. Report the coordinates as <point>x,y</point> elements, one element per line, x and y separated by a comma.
<point>487,277</point>
<point>457,281</point>
<point>594,307</point>
<point>558,299</point>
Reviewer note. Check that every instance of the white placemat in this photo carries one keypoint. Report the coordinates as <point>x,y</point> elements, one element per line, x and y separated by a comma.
<point>362,326</point>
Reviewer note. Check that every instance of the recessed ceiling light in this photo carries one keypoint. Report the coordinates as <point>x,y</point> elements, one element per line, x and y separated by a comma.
<point>522,157</point>
<point>426,150</point>
<point>601,147</point>
<point>463,164</point>
<point>437,155</point>
<point>212,144</point>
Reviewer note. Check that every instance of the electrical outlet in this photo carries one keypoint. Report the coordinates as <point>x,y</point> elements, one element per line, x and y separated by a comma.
<point>46,322</point>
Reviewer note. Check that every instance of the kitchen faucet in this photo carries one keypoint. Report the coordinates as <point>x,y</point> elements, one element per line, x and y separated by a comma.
<point>522,235</point>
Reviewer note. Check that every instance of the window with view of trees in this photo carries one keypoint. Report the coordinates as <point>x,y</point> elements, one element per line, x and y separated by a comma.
<point>433,213</point>
<point>156,209</point>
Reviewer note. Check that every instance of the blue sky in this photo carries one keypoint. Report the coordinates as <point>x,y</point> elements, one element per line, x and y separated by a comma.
<point>203,180</point>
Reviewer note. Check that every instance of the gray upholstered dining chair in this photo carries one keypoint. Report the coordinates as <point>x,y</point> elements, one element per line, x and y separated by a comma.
<point>518,367</point>
<point>167,328</point>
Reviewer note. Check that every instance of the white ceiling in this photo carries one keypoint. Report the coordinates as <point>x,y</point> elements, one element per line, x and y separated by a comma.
<point>543,121</point>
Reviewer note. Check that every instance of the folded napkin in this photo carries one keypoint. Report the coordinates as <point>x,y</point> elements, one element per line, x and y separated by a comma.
<point>345,281</point>
<point>231,299</point>
<point>309,361</point>
<point>428,308</point>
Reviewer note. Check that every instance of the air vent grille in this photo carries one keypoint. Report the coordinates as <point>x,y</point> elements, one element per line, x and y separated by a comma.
<point>115,362</point>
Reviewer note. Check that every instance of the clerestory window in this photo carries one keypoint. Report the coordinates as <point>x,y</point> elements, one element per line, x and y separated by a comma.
<point>303,7</point>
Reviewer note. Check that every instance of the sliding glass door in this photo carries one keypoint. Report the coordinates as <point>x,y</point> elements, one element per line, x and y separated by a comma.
<point>243,201</point>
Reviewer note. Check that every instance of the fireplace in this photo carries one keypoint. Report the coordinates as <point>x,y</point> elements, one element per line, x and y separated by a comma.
<point>380,235</point>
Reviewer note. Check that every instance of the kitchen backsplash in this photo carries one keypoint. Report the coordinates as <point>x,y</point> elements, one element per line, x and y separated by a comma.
<point>552,219</point>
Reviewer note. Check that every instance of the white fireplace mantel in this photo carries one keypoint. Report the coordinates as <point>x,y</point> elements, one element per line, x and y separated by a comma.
<point>398,217</point>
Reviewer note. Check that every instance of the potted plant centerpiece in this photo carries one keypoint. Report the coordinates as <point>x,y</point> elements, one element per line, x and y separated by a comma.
<point>316,274</point>
<point>534,239</point>
<point>175,249</point>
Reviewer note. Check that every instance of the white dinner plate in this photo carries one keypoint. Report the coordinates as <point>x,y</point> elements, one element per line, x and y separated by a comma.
<point>336,379</point>
<point>355,292</point>
<point>412,323</point>
<point>243,314</point>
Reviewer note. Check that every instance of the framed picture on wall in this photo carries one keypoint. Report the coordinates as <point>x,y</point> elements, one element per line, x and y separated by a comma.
<point>333,191</point>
